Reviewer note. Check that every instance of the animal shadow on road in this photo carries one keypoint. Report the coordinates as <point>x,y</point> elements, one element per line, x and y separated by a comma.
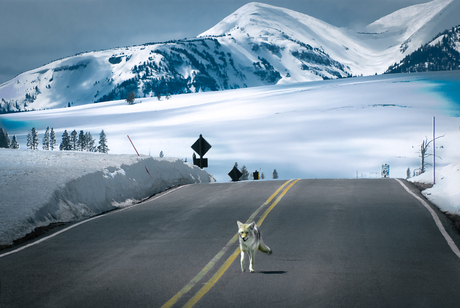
<point>272,272</point>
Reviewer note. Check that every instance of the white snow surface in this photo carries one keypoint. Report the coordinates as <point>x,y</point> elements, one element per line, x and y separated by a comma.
<point>42,187</point>
<point>446,192</point>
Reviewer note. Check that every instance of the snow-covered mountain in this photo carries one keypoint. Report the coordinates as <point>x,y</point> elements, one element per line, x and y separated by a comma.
<point>257,45</point>
<point>440,54</point>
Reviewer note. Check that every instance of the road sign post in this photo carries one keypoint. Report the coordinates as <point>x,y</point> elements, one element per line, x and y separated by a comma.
<point>201,147</point>
<point>235,174</point>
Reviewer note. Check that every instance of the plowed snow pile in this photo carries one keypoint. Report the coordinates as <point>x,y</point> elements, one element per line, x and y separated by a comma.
<point>42,187</point>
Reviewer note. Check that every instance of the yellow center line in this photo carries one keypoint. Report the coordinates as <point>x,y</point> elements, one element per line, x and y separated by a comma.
<point>261,220</point>
<point>219,255</point>
<point>207,286</point>
<point>232,258</point>
<point>251,218</point>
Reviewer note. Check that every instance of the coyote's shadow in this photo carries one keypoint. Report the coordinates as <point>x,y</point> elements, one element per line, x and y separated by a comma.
<point>272,272</point>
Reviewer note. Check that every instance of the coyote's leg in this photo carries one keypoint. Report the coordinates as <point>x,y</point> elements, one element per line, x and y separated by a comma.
<point>242,261</point>
<point>252,254</point>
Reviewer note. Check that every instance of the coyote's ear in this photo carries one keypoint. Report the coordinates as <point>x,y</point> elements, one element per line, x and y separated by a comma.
<point>240,224</point>
<point>252,225</point>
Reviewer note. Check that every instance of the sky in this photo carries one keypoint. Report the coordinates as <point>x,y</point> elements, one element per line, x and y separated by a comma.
<point>37,32</point>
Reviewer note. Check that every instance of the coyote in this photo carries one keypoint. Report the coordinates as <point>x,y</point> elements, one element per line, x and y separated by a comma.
<point>250,242</point>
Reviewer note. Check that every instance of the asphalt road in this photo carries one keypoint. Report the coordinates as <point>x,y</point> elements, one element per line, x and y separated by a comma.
<point>336,243</point>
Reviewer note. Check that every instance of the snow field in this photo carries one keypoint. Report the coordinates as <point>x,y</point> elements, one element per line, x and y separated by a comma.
<point>42,187</point>
<point>327,129</point>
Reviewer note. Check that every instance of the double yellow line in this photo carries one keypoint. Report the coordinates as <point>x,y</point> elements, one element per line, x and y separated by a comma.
<point>207,286</point>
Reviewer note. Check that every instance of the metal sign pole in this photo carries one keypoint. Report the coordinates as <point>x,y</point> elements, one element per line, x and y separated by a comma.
<point>200,146</point>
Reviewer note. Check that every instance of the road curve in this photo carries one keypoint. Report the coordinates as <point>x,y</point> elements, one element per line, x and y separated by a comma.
<point>336,243</point>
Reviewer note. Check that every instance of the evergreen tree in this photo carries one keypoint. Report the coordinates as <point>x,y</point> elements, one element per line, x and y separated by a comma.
<point>74,140</point>
<point>46,139</point>
<point>32,139</point>
<point>14,143</point>
<point>29,141</point>
<point>5,141</point>
<point>103,148</point>
<point>52,139</point>
<point>35,141</point>
<point>262,176</point>
<point>65,144</point>
<point>245,174</point>
<point>275,174</point>
<point>81,144</point>
<point>162,154</point>
<point>131,98</point>
<point>90,143</point>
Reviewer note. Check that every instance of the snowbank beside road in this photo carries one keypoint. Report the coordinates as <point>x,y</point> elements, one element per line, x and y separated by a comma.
<point>445,194</point>
<point>42,187</point>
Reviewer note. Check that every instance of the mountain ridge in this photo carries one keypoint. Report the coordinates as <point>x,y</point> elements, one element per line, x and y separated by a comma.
<point>442,53</point>
<point>257,45</point>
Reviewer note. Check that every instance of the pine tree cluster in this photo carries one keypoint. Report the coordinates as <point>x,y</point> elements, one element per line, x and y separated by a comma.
<point>83,142</point>
<point>6,142</point>
<point>245,175</point>
<point>74,142</point>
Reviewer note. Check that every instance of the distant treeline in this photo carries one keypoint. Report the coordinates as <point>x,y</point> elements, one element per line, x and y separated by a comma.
<point>70,142</point>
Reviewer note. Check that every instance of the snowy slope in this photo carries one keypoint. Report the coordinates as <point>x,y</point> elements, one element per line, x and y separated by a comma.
<point>257,45</point>
<point>440,54</point>
<point>396,35</point>
<point>286,28</point>
<point>42,187</point>
<point>315,129</point>
<point>408,27</point>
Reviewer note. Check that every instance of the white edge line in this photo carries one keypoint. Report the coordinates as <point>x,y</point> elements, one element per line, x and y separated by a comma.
<point>85,221</point>
<point>436,220</point>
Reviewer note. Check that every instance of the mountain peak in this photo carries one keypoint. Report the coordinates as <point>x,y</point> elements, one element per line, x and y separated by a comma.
<point>256,16</point>
<point>410,18</point>
<point>236,19</point>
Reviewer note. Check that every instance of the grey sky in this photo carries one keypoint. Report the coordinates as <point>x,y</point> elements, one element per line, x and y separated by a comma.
<point>36,32</point>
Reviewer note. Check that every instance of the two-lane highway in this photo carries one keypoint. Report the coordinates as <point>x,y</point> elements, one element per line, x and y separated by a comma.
<point>336,243</point>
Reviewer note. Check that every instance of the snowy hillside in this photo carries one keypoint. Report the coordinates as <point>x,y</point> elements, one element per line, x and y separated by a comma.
<point>42,187</point>
<point>440,54</point>
<point>326,129</point>
<point>407,29</point>
<point>257,45</point>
